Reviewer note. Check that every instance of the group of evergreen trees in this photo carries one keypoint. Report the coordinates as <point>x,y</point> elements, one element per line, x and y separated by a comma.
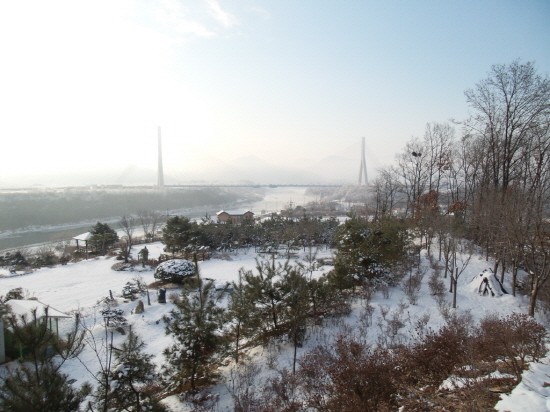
<point>182,235</point>
<point>277,299</point>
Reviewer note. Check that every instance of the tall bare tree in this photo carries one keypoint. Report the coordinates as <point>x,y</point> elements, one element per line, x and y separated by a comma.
<point>512,111</point>
<point>438,143</point>
<point>386,191</point>
<point>412,163</point>
<point>510,132</point>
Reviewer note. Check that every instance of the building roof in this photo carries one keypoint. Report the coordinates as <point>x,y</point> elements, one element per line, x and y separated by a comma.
<point>84,236</point>
<point>234,212</point>
<point>25,307</point>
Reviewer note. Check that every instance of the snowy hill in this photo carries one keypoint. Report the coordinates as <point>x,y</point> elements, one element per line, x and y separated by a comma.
<point>79,286</point>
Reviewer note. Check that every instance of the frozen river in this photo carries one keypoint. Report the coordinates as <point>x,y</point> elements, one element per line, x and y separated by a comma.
<point>278,198</point>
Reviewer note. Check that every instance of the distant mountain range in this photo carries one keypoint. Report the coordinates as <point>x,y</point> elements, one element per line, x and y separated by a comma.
<point>249,169</point>
<point>331,170</point>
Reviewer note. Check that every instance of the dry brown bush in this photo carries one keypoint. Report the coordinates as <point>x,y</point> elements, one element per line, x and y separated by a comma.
<point>350,376</point>
<point>436,356</point>
<point>514,340</point>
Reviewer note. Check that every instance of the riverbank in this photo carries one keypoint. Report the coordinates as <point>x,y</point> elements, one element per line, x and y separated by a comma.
<point>259,201</point>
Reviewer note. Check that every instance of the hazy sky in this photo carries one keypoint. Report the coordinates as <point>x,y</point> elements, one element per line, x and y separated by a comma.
<point>84,85</point>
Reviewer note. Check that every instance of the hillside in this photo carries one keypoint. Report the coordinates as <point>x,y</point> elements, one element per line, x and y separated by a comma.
<point>79,286</point>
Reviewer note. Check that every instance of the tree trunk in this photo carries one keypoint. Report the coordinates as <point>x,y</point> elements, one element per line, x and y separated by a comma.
<point>514,277</point>
<point>295,350</point>
<point>274,313</point>
<point>237,342</point>
<point>533,295</point>
<point>454,293</point>
<point>193,373</point>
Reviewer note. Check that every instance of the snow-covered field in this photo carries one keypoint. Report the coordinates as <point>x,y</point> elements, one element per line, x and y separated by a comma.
<point>79,286</point>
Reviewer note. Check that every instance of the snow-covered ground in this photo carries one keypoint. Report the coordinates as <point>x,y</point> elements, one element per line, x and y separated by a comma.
<point>79,286</point>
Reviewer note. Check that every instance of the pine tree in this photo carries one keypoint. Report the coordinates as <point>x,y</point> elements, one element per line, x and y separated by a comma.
<point>133,382</point>
<point>296,306</point>
<point>199,344</point>
<point>38,385</point>
<point>25,389</point>
<point>242,313</point>
<point>178,233</point>
<point>264,290</point>
<point>103,236</point>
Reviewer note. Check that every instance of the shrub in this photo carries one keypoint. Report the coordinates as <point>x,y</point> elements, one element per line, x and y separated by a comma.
<point>15,259</point>
<point>113,317</point>
<point>515,340</point>
<point>174,270</point>
<point>437,288</point>
<point>350,376</point>
<point>122,266</point>
<point>437,355</point>
<point>15,294</point>
<point>411,285</point>
<point>45,256</point>
<point>174,297</point>
<point>133,289</point>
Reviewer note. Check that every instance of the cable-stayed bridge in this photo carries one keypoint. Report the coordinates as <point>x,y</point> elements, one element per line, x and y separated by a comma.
<point>340,168</point>
<point>253,185</point>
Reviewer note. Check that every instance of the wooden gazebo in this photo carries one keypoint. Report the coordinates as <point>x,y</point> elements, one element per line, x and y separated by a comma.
<point>84,237</point>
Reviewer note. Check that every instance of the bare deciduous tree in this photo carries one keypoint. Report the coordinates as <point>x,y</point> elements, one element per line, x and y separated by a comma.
<point>438,141</point>
<point>513,112</point>
<point>128,226</point>
<point>386,190</point>
<point>412,163</point>
<point>462,251</point>
<point>150,221</point>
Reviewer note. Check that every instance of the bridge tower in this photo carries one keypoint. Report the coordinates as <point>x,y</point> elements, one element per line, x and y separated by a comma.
<point>160,177</point>
<point>363,167</point>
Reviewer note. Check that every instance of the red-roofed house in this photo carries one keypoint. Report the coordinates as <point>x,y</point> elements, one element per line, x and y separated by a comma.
<point>234,216</point>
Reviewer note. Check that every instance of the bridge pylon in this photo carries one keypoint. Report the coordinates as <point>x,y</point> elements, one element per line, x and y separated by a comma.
<point>363,166</point>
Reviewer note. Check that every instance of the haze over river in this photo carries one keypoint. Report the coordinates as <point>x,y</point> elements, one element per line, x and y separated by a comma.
<point>274,200</point>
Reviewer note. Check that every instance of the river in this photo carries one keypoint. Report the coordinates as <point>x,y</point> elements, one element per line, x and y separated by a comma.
<point>274,200</point>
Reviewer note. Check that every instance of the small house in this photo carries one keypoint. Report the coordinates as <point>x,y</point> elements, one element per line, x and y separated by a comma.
<point>234,216</point>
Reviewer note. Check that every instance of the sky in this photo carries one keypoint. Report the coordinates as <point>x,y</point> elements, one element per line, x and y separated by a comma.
<point>84,86</point>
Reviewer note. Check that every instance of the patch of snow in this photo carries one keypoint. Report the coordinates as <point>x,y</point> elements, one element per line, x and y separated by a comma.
<point>487,284</point>
<point>456,382</point>
<point>533,392</point>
